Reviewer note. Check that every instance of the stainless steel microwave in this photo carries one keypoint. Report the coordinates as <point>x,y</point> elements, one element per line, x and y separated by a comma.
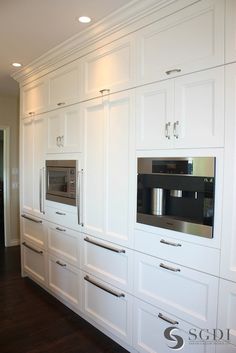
<point>61,181</point>
<point>177,194</point>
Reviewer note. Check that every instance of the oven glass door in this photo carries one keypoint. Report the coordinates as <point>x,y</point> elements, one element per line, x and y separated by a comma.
<point>58,181</point>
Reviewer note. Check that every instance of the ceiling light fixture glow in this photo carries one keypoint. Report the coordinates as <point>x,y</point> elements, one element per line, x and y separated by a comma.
<point>84,19</point>
<point>16,64</point>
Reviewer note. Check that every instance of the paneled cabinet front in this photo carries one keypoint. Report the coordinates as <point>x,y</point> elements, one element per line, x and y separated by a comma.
<point>34,98</point>
<point>189,40</point>
<point>108,306</point>
<point>64,85</point>
<point>153,329</point>
<point>228,246</point>
<point>186,293</point>
<point>64,130</point>
<point>186,112</point>
<point>34,230</point>
<point>107,205</point>
<point>230,31</point>
<point>33,138</point>
<point>109,69</point>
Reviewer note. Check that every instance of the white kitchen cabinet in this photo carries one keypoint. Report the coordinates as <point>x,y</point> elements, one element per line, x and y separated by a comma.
<point>109,262</point>
<point>226,312</point>
<point>64,130</point>
<point>64,243</point>
<point>150,325</point>
<point>64,281</point>
<point>34,230</point>
<point>228,244</point>
<point>63,217</point>
<point>34,262</point>
<point>188,40</point>
<point>186,293</point>
<point>34,98</point>
<point>109,69</point>
<point>32,165</point>
<point>108,165</point>
<point>186,112</point>
<point>230,31</point>
<point>108,306</point>
<point>199,257</point>
<point>64,85</point>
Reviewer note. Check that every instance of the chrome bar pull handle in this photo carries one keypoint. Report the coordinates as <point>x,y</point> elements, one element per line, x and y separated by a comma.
<point>60,213</point>
<point>169,268</point>
<point>167,319</point>
<point>41,190</point>
<point>106,289</point>
<point>60,264</point>
<point>111,248</point>
<point>58,141</point>
<point>40,252</point>
<point>62,141</point>
<point>163,241</point>
<point>61,103</point>
<point>175,129</point>
<point>173,71</point>
<point>167,130</point>
<point>60,229</point>
<point>104,91</point>
<point>79,197</point>
<point>31,219</point>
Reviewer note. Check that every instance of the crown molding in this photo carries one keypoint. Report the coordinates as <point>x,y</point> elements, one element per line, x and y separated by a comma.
<point>121,22</point>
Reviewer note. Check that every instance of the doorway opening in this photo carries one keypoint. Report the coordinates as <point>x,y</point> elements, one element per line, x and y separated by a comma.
<point>2,228</point>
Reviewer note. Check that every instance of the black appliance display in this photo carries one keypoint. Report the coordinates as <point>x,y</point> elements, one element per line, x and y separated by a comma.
<point>177,194</point>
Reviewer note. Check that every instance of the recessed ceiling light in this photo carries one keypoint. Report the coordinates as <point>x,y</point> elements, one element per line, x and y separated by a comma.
<point>84,19</point>
<point>16,65</point>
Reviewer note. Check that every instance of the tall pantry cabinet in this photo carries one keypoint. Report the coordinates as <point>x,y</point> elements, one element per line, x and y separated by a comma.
<point>161,84</point>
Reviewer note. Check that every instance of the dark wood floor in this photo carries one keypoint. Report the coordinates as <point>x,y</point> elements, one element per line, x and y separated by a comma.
<point>32,321</point>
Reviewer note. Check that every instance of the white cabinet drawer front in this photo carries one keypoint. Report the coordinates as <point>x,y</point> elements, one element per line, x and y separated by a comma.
<point>34,262</point>
<point>64,242</point>
<point>227,309</point>
<point>185,293</point>
<point>34,230</point>
<point>109,262</point>
<point>64,86</point>
<point>61,217</point>
<point>108,306</point>
<point>149,329</point>
<point>64,280</point>
<point>195,256</point>
<point>189,40</point>
<point>35,98</point>
<point>109,68</point>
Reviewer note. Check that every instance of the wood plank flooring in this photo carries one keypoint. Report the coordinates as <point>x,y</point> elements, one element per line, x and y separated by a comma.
<point>32,321</point>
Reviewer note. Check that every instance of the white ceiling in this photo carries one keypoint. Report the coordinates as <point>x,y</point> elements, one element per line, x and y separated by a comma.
<point>29,28</point>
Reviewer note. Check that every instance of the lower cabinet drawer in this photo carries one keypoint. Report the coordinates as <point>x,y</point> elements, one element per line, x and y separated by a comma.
<point>108,306</point>
<point>155,331</point>
<point>64,281</point>
<point>109,262</point>
<point>64,242</point>
<point>34,230</point>
<point>34,262</point>
<point>62,217</point>
<point>186,293</point>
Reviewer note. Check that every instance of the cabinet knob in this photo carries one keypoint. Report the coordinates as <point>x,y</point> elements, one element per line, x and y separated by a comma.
<point>173,71</point>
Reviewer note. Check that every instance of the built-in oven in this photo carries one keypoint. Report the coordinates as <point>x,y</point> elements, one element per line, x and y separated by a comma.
<point>177,194</point>
<point>61,183</point>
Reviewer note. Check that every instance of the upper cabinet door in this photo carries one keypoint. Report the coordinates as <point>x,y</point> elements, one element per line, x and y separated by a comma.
<point>64,86</point>
<point>199,110</point>
<point>154,115</point>
<point>228,244</point>
<point>109,69</point>
<point>64,130</point>
<point>34,98</point>
<point>230,31</point>
<point>189,40</point>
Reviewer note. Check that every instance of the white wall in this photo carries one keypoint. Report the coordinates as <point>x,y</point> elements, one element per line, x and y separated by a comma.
<point>9,113</point>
